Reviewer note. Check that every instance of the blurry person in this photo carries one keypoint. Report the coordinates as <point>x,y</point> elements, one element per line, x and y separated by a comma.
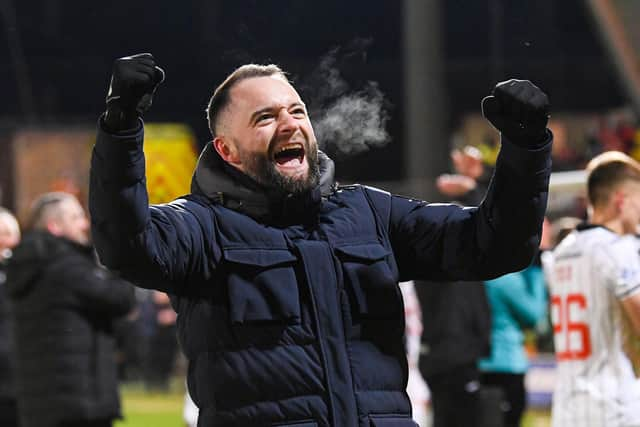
<point>285,284</point>
<point>456,317</point>
<point>564,155</point>
<point>163,345</point>
<point>456,323</point>
<point>9,237</point>
<point>469,184</point>
<point>9,233</point>
<point>594,277</point>
<point>131,345</point>
<point>517,301</point>
<point>63,306</point>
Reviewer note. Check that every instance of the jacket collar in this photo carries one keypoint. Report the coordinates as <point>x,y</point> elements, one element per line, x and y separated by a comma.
<point>223,184</point>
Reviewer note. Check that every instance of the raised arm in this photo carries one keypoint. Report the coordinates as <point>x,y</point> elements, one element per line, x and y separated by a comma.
<point>155,247</point>
<point>445,242</point>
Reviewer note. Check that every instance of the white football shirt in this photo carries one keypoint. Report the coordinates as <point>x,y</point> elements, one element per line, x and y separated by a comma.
<point>588,273</point>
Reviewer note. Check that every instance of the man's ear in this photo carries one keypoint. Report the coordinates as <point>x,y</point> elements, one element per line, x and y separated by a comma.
<point>53,228</point>
<point>226,150</point>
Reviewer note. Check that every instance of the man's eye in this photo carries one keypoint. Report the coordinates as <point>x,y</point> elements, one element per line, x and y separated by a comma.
<point>299,112</point>
<point>263,117</point>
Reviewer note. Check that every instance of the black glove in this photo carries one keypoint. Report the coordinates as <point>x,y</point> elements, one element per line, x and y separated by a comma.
<point>520,111</point>
<point>134,80</point>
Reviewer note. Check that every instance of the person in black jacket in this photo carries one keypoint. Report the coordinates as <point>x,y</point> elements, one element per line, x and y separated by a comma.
<point>286,284</point>
<point>63,306</point>
<point>456,317</point>
<point>163,345</point>
<point>9,237</point>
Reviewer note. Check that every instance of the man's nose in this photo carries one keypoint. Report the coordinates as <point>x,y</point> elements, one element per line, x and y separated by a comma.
<point>286,122</point>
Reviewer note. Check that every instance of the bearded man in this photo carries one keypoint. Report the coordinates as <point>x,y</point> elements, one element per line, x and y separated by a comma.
<point>285,284</point>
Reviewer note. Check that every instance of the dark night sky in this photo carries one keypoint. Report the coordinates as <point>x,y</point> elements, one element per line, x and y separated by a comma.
<point>70,45</point>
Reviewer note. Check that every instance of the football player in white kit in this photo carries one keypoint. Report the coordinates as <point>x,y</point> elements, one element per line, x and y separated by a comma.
<point>594,279</point>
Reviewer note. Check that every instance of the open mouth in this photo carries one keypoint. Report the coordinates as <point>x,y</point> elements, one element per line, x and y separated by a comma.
<point>289,155</point>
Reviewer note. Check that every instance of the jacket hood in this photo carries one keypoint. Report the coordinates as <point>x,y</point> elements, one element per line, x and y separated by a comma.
<point>36,251</point>
<point>223,184</point>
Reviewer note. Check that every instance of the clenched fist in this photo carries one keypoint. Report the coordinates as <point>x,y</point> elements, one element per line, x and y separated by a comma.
<point>134,80</point>
<point>520,111</point>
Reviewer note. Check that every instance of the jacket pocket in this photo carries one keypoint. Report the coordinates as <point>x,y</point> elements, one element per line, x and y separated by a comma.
<point>368,279</point>
<point>392,421</point>
<point>262,286</point>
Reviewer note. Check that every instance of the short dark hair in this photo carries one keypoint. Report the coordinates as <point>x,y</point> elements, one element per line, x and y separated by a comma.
<point>220,98</point>
<point>606,172</point>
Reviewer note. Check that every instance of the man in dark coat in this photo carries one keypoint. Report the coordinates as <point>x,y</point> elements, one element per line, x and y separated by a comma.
<point>286,284</point>
<point>63,306</point>
<point>457,319</point>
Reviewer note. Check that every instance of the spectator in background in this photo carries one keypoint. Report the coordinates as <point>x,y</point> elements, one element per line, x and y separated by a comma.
<point>518,301</point>
<point>63,306</point>
<point>456,323</point>
<point>469,184</point>
<point>9,237</point>
<point>163,345</point>
<point>617,131</point>
<point>456,318</point>
<point>132,341</point>
<point>143,324</point>
<point>594,277</point>
<point>564,155</point>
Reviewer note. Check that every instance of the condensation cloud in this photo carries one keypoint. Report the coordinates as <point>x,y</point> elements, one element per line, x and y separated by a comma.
<point>346,121</point>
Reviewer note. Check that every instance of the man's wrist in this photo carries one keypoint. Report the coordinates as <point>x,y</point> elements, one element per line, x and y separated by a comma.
<point>541,140</point>
<point>525,160</point>
<point>117,120</point>
<point>532,141</point>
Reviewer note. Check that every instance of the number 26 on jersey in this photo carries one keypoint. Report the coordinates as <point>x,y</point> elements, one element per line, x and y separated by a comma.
<point>571,335</point>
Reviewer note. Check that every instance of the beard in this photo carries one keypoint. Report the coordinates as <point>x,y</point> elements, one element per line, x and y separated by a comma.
<point>263,170</point>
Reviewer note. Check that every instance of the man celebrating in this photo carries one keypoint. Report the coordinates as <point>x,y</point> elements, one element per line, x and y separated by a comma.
<point>594,275</point>
<point>286,284</point>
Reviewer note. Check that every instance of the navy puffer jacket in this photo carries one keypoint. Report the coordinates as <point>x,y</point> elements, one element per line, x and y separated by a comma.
<point>289,309</point>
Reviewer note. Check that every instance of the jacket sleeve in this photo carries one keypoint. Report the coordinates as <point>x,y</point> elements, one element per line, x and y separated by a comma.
<point>447,242</point>
<point>155,247</point>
